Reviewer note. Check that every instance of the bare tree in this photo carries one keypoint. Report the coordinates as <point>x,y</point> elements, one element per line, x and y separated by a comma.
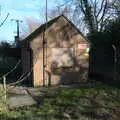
<point>94,13</point>
<point>91,15</point>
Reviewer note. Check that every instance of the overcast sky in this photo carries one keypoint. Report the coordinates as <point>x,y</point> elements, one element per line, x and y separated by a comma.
<point>20,9</point>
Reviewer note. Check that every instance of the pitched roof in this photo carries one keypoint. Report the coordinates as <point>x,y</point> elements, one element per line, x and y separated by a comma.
<point>49,23</point>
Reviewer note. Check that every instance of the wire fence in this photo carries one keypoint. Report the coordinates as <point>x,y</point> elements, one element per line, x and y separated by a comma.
<point>4,88</point>
<point>12,70</point>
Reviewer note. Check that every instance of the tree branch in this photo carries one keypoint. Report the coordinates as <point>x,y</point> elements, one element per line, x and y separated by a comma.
<point>4,20</point>
<point>64,3</point>
<point>104,12</point>
<point>82,8</point>
<point>101,7</point>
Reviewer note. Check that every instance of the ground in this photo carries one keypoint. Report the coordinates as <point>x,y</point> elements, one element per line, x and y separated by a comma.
<point>87,102</point>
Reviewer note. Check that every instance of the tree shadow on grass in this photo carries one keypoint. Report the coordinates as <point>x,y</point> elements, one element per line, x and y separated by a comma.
<point>98,102</point>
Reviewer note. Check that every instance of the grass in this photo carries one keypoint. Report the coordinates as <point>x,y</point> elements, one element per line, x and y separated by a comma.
<point>95,103</point>
<point>2,99</point>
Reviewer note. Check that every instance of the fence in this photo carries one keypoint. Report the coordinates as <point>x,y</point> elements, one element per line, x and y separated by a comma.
<point>4,88</point>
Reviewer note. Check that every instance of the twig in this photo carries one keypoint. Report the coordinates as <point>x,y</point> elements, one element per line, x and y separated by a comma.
<point>6,74</point>
<point>64,3</point>
<point>20,80</point>
<point>4,19</point>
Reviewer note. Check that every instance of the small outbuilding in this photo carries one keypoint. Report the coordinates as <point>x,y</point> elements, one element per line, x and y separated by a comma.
<point>55,53</point>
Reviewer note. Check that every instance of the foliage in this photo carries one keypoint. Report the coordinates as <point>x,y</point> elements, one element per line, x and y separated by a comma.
<point>110,35</point>
<point>116,8</point>
<point>8,59</point>
<point>112,29</point>
<point>4,44</point>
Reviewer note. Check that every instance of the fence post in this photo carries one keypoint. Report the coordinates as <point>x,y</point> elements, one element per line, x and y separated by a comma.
<point>5,88</point>
<point>115,61</point>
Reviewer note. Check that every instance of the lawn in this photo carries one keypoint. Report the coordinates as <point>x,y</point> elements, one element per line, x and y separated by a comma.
<point>71,103</point>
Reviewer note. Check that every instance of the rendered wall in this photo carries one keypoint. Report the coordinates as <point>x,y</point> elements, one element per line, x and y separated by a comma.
<point>62,46</point>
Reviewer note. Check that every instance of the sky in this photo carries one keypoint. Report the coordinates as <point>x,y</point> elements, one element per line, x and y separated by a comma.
<point>22,10</point>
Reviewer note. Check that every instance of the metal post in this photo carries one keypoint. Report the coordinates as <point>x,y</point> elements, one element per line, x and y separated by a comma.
<point>17,21</point>
<point>18,28</point>
<point>46,39</point>
<point>45,49</point>
<point>46,10</point>
<point>44,58</point>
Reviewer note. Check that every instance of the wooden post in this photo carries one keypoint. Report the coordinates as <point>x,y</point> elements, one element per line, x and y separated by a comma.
<point>115,61</point>
<point>49,77</point>
<point>5,88</point>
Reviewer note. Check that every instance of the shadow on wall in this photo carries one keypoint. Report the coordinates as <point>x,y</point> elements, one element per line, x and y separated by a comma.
<point>66,68</point>
<point>78,75</point>
<point>70,75</point>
